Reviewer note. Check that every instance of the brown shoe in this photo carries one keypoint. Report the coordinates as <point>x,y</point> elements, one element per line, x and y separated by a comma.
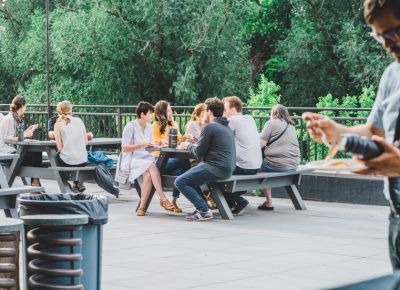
<point>176,208</point>
<point>141,211</point>
<point>167,205</point>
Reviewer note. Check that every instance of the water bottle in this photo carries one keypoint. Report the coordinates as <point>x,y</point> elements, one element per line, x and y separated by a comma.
<point>172,138</point>
<point>363,147</point>
<point>21,129</point>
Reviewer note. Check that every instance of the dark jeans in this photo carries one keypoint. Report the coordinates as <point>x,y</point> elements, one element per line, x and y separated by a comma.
<point>266,167</point>
<point>33,159</point>
<point>189,184</point>
<point>176,167</point>
<point>61,162</point>
<point>394,240</point>
<point>235,197</point>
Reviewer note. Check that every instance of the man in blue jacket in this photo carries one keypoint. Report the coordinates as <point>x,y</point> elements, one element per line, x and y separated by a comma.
<point>216,149</point>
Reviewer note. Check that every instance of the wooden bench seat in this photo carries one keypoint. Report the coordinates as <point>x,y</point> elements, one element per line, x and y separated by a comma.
<point>261,180</point>
<point>20,189</point>
<point>236,183</point>
<point>84,173</point>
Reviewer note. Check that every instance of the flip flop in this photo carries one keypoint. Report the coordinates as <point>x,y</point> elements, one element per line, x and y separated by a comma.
<point>264,206</point>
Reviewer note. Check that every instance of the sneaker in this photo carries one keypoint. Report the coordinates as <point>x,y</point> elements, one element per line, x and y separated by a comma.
<point>240,207</point>
<point>199,216</point>
<point>78,187</point>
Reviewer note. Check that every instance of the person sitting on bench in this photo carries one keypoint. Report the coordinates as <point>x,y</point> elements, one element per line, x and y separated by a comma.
<point>52,122</point>
<point>9,130</point>
<point>248,149</point>
<point>136,137</point>
<point>281,148</point>
<point>71,140</point>
<point>216,147</point>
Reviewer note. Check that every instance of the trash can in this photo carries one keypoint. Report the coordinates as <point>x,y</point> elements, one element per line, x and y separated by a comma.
<point>95,207</point>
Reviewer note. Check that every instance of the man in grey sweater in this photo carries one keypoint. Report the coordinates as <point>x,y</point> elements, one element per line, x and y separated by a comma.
<point>248,148</point>
<point>216,149</point>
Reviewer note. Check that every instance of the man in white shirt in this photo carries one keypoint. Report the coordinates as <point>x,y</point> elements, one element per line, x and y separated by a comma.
<point>248,148</point>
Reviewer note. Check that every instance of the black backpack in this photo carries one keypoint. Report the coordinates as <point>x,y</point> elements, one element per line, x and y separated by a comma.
<point>105,180</point>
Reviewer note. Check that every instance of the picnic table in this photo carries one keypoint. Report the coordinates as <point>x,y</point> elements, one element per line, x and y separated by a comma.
<point>8,195</point>
<point>235,183</point>
<point>51,170</point>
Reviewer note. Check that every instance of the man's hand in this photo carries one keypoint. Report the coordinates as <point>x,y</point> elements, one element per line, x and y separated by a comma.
<point>184,145</point>
<point>162,142</point>
<point>317,123</point>
<point>147,144</point>
<point>89,135</point>
<point>387,164</point>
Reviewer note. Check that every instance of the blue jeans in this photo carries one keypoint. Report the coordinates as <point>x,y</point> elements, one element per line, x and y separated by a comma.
<point>266,167</point>
<point>189,184</point>
<point>176,167</point>
<point>235,197</point>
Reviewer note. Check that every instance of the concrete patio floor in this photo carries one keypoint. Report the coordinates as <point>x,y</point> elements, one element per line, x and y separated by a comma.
<point>328,245</point>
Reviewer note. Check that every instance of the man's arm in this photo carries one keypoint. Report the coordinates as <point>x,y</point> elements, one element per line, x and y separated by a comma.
<point>204,143</point>
<point>317,123</point>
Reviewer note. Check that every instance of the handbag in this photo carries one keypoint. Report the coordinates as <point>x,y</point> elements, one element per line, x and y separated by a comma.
<point>105,180</point>
<point>122,176</point>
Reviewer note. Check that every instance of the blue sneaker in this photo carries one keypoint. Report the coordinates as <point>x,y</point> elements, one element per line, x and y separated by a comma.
<point>199,216</point>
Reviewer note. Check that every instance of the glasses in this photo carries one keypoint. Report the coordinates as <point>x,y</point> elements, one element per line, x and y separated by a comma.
<point>392,35</point>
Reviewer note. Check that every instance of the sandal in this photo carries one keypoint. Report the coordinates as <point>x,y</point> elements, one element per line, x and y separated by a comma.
<point>141,211</point>
<point>264,206</point>
<point>176,207</point>
<point>167,205</point>
<point>210,202</point>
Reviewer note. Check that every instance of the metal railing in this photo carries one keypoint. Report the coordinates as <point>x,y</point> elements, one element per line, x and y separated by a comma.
<point>109,121</point>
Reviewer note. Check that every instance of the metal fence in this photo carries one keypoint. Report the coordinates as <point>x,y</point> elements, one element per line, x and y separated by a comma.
<point>109,121</point>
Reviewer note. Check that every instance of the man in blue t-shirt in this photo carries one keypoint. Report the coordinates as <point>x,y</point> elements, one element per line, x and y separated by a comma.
<point>384,18</point>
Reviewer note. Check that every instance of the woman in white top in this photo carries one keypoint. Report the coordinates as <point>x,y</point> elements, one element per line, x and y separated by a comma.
<point>9,130</point>
<point>136,137</point>
<point>196,123</point>
<point>71,140</point>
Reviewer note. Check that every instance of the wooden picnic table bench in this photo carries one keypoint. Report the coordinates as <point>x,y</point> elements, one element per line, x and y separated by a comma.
<point>288,180</point>
<point>235,183</point>
<point>52,170</point>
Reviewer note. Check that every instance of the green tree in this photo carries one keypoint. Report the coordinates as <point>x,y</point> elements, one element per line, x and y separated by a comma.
<point>119,52</point>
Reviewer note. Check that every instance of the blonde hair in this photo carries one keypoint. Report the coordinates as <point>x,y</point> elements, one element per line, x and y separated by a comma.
<point>200,108</point>
<point>64,110</point>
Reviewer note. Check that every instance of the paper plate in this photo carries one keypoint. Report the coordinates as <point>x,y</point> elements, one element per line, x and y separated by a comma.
<point>350,166</point>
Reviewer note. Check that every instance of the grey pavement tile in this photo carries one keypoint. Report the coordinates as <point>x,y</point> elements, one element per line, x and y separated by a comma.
<point>336,273</point>
<point>111,286</point>
<point>167,265</point>
<point>113,273</point>
<point>161,281</point>
<point>266,282</point>
<point>353,251</point>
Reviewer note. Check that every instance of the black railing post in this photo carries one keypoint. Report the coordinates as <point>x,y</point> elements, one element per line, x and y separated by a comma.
<point>119,118</point>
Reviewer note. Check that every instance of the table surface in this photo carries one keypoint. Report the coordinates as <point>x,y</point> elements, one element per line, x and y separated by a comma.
<point>4,156</point>
<point>95,141</point>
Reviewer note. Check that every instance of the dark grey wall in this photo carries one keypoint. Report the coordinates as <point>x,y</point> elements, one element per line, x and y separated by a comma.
<point>333,189</point>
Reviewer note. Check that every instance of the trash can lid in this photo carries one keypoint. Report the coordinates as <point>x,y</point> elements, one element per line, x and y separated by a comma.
<point>55,219</point>
<point>10,225</point>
